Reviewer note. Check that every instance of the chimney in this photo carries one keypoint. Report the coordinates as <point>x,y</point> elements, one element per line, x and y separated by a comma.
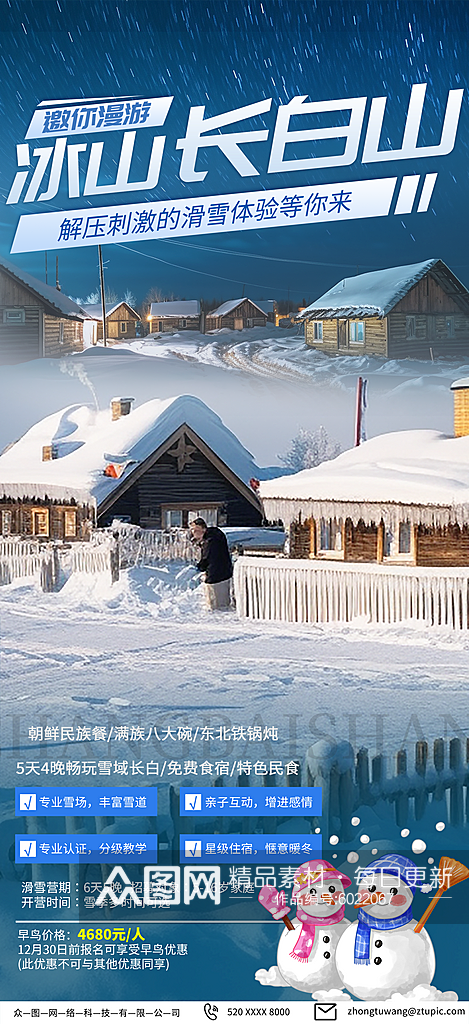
<point>461,407</point>
<point>120,407</point>
<point>49,452</point>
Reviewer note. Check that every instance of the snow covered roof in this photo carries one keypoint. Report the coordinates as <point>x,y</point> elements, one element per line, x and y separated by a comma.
<point>95,310</point>
<point>375,294</point>
<point>416,469</point>
<point>87,440</point>
<point>180,307</point>
<point>227,307</point>
<point>60,303</point>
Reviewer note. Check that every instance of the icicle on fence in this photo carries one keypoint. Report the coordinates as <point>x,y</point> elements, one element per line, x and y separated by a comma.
<point>148,547</point>
<point>19,558</point>
<point>290,590</point>
<point>108,551</point>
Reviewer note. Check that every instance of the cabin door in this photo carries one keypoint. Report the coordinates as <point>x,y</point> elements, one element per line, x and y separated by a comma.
<point>342,335</point>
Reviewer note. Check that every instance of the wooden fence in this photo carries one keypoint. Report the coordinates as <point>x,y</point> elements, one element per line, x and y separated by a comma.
<point>107,552</point>
<point>293,590</point>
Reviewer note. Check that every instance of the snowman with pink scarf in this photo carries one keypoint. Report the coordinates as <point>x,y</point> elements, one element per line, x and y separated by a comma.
<point>306,950</point>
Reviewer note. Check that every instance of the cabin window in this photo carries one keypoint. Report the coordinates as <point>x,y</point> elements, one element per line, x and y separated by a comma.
<point>330,536</point>
<point>61,332</point>
<point>13,316</point>
<point>160,325</point>
<point>449,322</point>
<point>317,330</point>
<point>410,327</point>
<point>357,332</point>
<point>398,542</point>
<point>40,522</point>
<point>70,523</point>
<point>123,326</point>
<point>6,522</point>
<point>182,517</point>
<point>183,323</point>
<point>405,538</point>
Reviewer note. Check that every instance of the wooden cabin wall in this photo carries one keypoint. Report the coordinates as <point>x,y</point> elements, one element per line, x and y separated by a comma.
<point>22,518</point>
<point>302,539</point>
<point>245,311</point>
<point>360,542</point>
<point>443,547</point>
<point>21,342</point>
<point>376,343</point>
<point>375,338</point>
<point>329,336</point>
<point>171,323</point>
<point>113,322</point>
<point>427,296</point>
<point>71,333</point>
<point>199,483</point>
<point>431,332</point>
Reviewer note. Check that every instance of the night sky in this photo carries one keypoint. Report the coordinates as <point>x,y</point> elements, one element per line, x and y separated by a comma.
<point>225,55</point>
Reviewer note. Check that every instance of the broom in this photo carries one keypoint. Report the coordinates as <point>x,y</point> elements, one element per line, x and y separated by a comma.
<point>452,872</point>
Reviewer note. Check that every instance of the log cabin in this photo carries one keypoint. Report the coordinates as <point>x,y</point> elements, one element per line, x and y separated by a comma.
<point>159,466</point>
<point>179,315</point>
<point>235,315</point>
<point>421,310</point>
<point>36,319</point>
<point>397,499</point>
<point>121,322</point>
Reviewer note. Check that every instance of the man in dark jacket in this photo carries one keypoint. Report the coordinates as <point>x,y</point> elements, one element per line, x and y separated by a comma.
<point>215,562</point>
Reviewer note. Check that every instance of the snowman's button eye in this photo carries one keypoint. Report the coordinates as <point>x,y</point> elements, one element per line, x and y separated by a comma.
<point>327,956</point>
<point>326,938</point>
<point>312,892</point>
<point>377,960</point>
<point>332,888</point>
<point>393,891</point>
<point>378,943</point>
<point>372,888</point>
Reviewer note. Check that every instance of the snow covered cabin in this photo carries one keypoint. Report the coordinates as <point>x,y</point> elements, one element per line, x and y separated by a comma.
<point>157,466</point>
<point>121,322</point>
<point>421,310</point>
<point>397,499</point>
<point>235,315</point>
<point>35,318</point>
<point>179,315</point>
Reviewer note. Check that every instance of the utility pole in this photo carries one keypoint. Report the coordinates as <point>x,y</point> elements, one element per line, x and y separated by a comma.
<point>101,278</point>
<point>57,285</point>
<point>45,254</point>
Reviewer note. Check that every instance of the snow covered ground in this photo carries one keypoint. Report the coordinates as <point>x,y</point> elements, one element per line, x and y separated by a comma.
<point>144,651</point>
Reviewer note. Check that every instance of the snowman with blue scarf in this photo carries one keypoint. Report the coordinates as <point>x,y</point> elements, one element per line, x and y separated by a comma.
<point>381,954</point>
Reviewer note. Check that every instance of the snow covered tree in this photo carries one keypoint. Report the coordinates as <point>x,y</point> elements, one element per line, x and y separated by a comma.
<point>309,448</point>
<point>129,298</point>
<point>92,299</point>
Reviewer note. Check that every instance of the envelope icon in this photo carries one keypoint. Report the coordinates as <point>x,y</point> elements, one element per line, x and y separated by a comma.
<point>325,1011</point>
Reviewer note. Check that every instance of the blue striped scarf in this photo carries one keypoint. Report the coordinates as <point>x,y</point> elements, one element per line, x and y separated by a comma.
<point>366,923</point>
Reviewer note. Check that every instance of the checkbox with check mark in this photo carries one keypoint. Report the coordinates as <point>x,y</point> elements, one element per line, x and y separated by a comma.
<point>28,802</point>
<point>27,847</point>
<point>193,801</point>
